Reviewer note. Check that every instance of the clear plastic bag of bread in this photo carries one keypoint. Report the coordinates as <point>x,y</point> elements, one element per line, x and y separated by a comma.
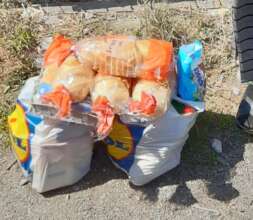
<point>126,56</point>
<point>64,84</point>
<point>135,78</point>
<point>136,100</point>
<point>122,75</point>
<point>64,80</point>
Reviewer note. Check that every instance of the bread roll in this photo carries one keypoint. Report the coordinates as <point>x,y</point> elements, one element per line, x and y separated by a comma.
<point>49,73</point>
<point>75,77</point>
<point>115,89</point>
<point>159,91</point>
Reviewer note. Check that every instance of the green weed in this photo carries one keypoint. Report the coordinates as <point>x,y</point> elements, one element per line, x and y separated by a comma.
<point>23,39</point>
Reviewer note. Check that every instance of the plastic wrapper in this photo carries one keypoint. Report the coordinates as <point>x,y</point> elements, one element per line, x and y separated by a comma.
<point>120,75</point>
<point>53,153</point>
<point>64,79</point>
<point>127,56</point>
<point>72,75</point>
<point>115,89</point>
<point>111,95</point>
<point>158,91</point>
<point>146,152</point>
<point>191,79</point>
<point>61,154</point>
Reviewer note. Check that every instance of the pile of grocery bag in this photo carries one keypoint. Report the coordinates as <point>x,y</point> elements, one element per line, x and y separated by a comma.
<point>133,94</point>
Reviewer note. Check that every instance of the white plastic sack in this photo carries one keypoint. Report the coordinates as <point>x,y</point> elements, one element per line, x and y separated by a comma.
<point>61,153</point>
<point>145,153</point>
<point>52,152</point>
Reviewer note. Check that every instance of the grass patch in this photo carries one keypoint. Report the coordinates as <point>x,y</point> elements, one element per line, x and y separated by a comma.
<point>18,41</point>
<point>184,26</point>
<point>22,39</point>
<point>10,3</point>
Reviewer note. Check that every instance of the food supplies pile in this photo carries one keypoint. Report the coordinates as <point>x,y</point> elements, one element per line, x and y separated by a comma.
<point>132,94</point>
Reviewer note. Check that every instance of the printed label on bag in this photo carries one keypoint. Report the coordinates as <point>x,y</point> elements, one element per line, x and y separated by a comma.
<point>121,143</point>
<point>20,133</point>
<point>21,129</point>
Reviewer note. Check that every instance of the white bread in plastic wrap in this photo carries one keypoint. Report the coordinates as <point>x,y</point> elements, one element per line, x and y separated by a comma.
<point>73,75</point>
<point>115,89</point>
<point>161,92</point>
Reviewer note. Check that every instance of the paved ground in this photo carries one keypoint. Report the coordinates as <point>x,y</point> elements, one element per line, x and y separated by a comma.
<point>188,192</point>
<point>124,5</point>
<point>191,191</point>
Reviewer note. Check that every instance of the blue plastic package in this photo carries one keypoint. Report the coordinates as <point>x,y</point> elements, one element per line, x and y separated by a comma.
<point>191,79</point>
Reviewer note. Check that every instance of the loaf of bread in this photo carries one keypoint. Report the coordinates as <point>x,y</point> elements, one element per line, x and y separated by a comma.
<point>127,57</point>
<point>159,91</point>
<point>114,89</point>
<point>49,73</point>
<point>75,77</point>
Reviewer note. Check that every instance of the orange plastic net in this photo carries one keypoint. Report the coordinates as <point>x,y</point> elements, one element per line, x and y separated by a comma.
<point>105,115</point>
<point>58,50</point>
<point>157,63</point>
<point>147,105</point>
<point>126,56</point>
<point>61,99</point>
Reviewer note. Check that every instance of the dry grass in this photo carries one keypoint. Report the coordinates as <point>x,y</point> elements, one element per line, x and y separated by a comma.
<point>177,25</point>
<point>215,32</point>
<point>184,26</point>
<point>18,41</point>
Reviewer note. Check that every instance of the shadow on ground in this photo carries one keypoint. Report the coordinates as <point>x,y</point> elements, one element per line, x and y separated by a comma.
<point>199,162</point>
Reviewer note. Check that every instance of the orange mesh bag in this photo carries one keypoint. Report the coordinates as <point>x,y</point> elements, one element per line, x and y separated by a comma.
<point>150,98</point>
<point>146,105</point>
<point>109,95</point>
<point>61,99</point>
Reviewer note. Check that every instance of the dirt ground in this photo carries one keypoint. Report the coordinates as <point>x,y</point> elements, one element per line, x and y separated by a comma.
<point>187,192</point>
<point>204,186</point>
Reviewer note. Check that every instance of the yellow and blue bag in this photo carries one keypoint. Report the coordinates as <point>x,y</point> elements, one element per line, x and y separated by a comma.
<point>146,152</point>
<point>22,128</point>
<point>52,153</point>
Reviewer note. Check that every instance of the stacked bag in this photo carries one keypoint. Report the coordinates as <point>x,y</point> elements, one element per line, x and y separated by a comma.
<point>52,153</point>
<point>118,89</point>
<point>145,152</point>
